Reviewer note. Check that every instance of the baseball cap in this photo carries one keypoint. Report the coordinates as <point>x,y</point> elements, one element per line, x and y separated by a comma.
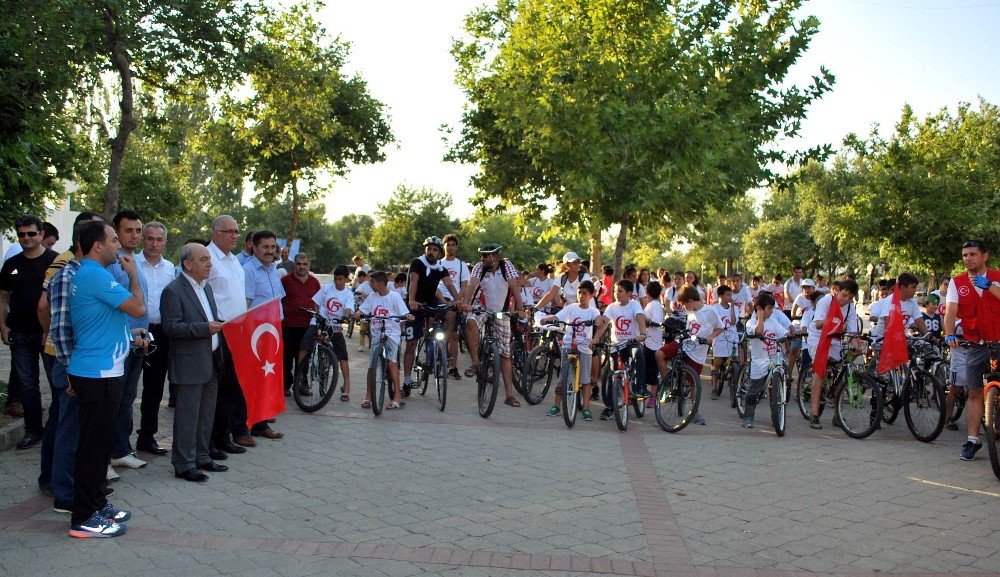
<point>932,298</point>
<point>808,282</point>
<point>571,256</point>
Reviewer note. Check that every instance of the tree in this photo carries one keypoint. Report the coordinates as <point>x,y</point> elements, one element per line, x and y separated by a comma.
<point>405,220</point>
<point>526,242</point>
<point>304,117</point>
<point>629,113</point>
<point>717,239</point>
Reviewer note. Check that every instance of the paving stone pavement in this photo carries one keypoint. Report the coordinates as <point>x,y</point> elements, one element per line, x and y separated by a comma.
<point>421,492</point>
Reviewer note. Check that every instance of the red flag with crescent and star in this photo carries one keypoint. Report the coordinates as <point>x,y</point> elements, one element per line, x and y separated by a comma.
<point>832,328</point>
<point>254,338</point>
<point>894,351</point>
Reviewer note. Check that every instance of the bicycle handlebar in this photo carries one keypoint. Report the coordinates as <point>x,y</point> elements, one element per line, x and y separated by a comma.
<point>565,324</point>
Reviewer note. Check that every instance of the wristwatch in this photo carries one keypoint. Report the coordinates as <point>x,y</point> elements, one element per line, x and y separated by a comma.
<point>995,283</point>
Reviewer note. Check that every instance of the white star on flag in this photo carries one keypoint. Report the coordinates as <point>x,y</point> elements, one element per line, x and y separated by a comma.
<point>268,368</point>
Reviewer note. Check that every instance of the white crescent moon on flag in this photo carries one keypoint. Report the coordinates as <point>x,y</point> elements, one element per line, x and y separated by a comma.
<point>264,328</point>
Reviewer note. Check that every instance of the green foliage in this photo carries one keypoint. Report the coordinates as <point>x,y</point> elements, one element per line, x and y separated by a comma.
<point>405,220</point>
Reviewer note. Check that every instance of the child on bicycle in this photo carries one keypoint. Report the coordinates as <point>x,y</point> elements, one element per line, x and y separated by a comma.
<point>723,346</point>
<point>333,301</point>
<point>383,303</point>
<point>585,309</point>
<point>765,324</point>
<point>702,322</point>
<point>652,355</point>
<point>628,321</point>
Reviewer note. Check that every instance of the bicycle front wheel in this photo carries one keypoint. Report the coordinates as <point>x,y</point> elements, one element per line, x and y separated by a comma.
<point>777,394</point>
<point>677,399</point>
<point>441,374</point>
<point>924,406</point>
<point>857,404</point>
<point>742,387</point>
<point>992,418</point>
<point>618,405</point>
<point>567,379</point>
<point>315,379</point>
<point>536,375</point>
<point>423,366</point>
<point>893,400</point>
<point>638,397</point>
<point>378,378</point>
<point>489,374</point>
<point>803,392</point>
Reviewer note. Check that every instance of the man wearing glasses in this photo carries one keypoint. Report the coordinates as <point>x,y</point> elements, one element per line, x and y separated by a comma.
<point>974,298</point>
<point>21,281</point>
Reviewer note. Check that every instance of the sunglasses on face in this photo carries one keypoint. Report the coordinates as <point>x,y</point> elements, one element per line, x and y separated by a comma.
<point>27,233</point>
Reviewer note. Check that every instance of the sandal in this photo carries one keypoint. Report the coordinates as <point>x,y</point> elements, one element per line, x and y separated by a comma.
<point>345,397</point>
<point>512,402</point>
<point>394,405</point>
<point>366,404</point>
<point>471,372</point>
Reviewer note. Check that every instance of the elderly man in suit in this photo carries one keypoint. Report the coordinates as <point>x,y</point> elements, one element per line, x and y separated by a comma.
<point>189,318</point>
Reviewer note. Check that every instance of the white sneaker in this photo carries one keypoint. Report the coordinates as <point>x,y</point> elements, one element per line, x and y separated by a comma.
<point>111,475</point>
<point>130,461</point>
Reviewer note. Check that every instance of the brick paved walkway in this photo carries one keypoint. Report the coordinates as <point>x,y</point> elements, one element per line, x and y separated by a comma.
<point>420,492</point>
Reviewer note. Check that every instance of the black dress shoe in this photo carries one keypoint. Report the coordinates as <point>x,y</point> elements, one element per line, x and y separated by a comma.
<point>150,447</point>
<point>231,448</point>
<point>193,475</point>
<point>213,467</point>
<point>29,441</point>
<point>217,455</point>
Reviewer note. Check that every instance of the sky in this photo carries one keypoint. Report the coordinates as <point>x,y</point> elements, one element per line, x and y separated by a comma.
<point>931,54</point>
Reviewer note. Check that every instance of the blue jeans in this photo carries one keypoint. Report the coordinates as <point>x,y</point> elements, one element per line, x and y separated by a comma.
<point>123,422</point>
<point>49,437</point>
<point>67,436</point>
<point>25,351</point>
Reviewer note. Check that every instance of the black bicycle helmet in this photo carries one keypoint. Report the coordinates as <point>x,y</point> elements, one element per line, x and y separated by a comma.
<point>434,240</point>
<point>489,248</point>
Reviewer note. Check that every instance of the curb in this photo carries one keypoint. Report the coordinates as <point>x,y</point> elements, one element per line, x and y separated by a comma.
<point>11,434</point>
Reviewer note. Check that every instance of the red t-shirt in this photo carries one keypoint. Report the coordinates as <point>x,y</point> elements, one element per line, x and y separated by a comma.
<point>298,294</point>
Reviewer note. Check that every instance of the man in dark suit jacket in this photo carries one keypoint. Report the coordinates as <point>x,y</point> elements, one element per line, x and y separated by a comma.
<point>190,319</point>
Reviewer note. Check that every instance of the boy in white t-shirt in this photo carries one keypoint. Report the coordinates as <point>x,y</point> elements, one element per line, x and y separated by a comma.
<point>725,345</point>
<point>584,309</point>
<point>362,289</point>
<point>628,322</point>
<point>702,322</point>
<point>653,359</point>
<point>843,298</point>
<point>765,325</point>
<point>384,303</point>
<point>335,300</point>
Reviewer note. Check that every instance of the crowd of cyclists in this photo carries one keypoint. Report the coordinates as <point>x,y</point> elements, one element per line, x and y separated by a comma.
<point>752,335</point>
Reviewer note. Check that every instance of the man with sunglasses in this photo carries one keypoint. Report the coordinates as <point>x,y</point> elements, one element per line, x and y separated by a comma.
<point>974,298</point>
<point>21,280</point>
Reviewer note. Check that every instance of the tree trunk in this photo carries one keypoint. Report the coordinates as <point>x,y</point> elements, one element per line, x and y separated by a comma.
<point>595,253</point>
<point>620,247</point>
<point>126,124</point>
<point>729,266</point>
<point>295,212</point>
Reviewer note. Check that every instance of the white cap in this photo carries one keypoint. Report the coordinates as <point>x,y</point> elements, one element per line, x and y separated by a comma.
<point>571,256</point>
<point>808,282</point>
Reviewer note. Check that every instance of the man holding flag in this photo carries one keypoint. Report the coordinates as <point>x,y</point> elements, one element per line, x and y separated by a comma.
<point>829,323</point>
<point>974,298</point>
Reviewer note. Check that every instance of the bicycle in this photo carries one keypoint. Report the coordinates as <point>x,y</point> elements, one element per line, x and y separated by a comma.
<point>923,395</point>
<point>541,364</point>
<point>569,373</point>
<point>379,379</point>
<point>678,394</point>
<point>620,382</point>
<point>856,394</point>
<point>523,342</point>
<point>777,389</point>
<point>432,354</point>
<point>489,374</point>
<point>316,376</point>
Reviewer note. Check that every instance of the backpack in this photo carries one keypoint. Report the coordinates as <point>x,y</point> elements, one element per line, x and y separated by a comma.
<point>503,272</point>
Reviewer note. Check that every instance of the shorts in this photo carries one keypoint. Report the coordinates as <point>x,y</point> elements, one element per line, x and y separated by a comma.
<point>670,351</point>
<point>977,365</point>
<point>586,362</point>
<point>336,340</point>
<point>652,370</point>
<point>723,346</point>
<point>958,356</point>
<point>393,345</point>
<point>415,329</point>
<point>501,333</point>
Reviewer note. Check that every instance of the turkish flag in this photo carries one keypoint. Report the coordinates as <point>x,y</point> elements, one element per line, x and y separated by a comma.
<point>894,351</point>
<point>833,327</point>
<point>254,339</point>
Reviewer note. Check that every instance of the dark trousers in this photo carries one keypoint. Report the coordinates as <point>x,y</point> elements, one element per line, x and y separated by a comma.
<point>193,418</point>
<point>124,420</point>
<point>230,407</point>
<point>154,375</point>
<point>52,424</point>
<point>25,352</point>
<point>13,387</point>
<point>98,401</point>
<point>67,438</point>
<point>756,386</point>
<point>292,337</point>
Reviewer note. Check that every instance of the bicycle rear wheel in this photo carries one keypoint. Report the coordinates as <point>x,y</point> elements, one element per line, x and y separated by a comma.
<point>377,381</point>
<point>777,394</point>
<point>924,406</point>
<point>677,399</point>
<point>618,405</point>
<point>489,374</point>
<point>440,367</point>
<point>992,418</point>
<point>315,379</point>
<point>857,404</point>
<point>567,379</point>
